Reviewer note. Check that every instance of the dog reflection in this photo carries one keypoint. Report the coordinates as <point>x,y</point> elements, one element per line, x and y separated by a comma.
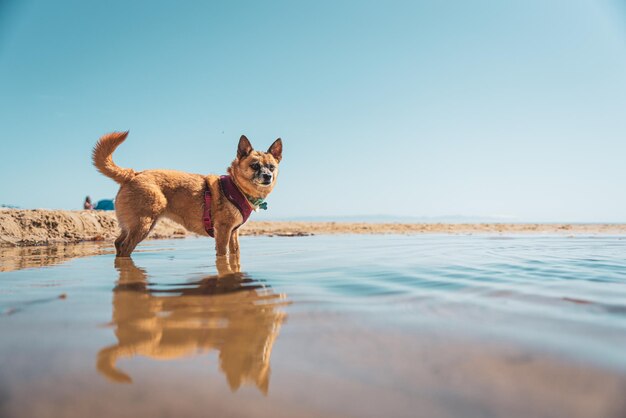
<point>230,312</point>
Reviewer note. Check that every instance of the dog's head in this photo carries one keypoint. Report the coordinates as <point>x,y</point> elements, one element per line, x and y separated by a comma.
<point>255,172</point>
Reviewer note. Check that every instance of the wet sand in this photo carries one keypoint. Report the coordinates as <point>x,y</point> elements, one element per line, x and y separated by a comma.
<point>44,227</point>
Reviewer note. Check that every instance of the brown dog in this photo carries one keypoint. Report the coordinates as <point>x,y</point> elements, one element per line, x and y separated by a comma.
<point>146,196</point>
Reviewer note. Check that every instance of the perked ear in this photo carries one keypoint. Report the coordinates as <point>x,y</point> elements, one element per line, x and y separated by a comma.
<point>244,148</point>
<point>276,149</point>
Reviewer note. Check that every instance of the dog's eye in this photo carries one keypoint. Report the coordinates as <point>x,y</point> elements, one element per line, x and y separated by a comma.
<point>271,167</point>
<point>255,166</point>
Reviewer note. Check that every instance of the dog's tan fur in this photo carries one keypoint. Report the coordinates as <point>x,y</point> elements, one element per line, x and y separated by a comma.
<point>148,195</point>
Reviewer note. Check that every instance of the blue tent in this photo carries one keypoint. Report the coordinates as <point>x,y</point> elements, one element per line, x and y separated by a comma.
<point>105,204</point>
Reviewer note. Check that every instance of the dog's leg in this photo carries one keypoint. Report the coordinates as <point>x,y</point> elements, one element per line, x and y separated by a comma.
<point>138,206</point>
<point>222,238</point>
<point>233,260</point>
<point>233,246</point>
<point>223,266</point>
<point>118,242</point>
<point>135,235</point>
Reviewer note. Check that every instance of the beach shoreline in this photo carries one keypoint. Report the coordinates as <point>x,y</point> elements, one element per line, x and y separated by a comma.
<point>31,227</point>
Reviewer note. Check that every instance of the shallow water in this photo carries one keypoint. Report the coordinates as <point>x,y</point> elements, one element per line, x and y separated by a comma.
<point>339,326</point>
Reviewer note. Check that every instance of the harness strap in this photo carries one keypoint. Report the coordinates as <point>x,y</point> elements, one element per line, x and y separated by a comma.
<point>230,190</point>
<point>236,197</point>
<point>208,222</point>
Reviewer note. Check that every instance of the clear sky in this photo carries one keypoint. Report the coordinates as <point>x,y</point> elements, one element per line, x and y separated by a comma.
<point>426,108</point>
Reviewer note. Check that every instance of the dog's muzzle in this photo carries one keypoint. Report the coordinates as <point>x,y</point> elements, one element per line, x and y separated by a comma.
<point>264,176</point>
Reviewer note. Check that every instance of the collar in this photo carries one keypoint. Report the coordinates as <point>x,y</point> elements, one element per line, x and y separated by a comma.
<point>258,203</point>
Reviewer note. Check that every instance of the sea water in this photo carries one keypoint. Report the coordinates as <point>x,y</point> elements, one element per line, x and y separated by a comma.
<point>332,326</point>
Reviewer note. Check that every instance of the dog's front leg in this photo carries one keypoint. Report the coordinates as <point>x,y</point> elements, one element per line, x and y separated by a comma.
<point>222,237</point>
<point>222,263</point>
<point>234,242</point>
<point>233,260</point>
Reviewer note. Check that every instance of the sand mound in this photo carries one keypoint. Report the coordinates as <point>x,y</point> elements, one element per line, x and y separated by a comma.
<point>38,227</point>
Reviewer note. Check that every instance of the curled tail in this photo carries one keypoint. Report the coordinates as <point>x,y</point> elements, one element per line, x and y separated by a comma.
<point>107,358</point>
<point>102,157</point>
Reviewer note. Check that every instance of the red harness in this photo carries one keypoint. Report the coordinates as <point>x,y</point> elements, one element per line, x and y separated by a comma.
<point>233,194</point>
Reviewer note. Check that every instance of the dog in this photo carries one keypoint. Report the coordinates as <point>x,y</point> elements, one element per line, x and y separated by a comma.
<point>208,205</point>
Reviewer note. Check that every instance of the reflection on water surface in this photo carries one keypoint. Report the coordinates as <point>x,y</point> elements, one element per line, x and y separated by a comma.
<point>18,258</point>
<point>229,312</point>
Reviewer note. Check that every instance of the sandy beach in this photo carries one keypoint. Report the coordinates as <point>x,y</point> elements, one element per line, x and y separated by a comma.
<point>42,227</point>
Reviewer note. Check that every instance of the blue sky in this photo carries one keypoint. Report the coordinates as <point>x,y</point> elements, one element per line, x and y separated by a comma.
<point>475,108</point>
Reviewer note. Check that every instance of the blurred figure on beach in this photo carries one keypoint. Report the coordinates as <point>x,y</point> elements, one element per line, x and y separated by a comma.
<point>87,205</point>
<point>103,204</point>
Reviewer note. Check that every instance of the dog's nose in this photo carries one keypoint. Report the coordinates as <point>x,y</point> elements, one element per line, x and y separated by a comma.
<point>267,177</point>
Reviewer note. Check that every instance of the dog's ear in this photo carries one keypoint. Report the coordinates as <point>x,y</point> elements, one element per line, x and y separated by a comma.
<point>276,149</point>
<point>245,148</point>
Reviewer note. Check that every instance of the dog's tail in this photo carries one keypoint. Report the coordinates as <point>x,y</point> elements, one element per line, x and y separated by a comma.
<point>102,157</point>
<point>107,357</point>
